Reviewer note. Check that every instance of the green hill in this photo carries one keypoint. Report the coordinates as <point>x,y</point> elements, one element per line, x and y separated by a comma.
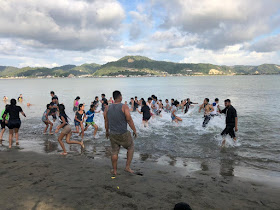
<point>138,65</point>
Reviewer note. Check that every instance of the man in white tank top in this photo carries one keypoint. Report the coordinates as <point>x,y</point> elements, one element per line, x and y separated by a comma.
<point>216,107</point>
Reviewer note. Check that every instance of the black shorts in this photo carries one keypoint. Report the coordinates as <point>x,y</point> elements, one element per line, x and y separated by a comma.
<point>229,130</point>
<point>207,118</point>
<point>146,119</point>
<point>3,124</point>
<point>14,124</point>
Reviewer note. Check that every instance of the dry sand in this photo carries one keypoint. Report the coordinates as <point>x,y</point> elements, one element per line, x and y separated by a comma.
<point>42,181</point>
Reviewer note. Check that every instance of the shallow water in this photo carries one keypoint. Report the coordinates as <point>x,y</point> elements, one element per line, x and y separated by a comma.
<point>187,144</point>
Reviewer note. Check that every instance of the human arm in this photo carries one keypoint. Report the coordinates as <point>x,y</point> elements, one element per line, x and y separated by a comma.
<point>200,107</point>
<point>61,125</point>
<point>236,122</point>
<point>106,122</point>
<point>129,119</point>
<point>23,114</point>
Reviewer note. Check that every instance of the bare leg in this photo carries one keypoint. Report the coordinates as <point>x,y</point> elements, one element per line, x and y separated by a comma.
<point>114,159</point>
<point>73,142</point>
<point>82,131</point>
<point>86,127</point>
<point>223,142</point>
<point>46,128</point>
<point>61,136</point>
<point>16,134</point>
<point>51,127</point>
<point>11,132</point>
<point>234,139</point>
<point>1,135</point>
<point>77,130</point>
<point>129,159</point>
<point>95,130</point>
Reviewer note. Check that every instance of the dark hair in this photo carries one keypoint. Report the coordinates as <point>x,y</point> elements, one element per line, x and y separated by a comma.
<point>150,98</point>
<point>172,99</point>
<point>92,106</point>
<point>207,99</point>
<point>131,98</point>
<point>54,98</point>
<point>96,97</point>
<point>116,94</point>
<point>61,109</point>
<point>188,99</point>
<point>136,97</point>
<point>144,103</point>
<point>166,99</point>
<point>227,100</point>
<point>48,106</point>
<point>176,103</point>
<point>142,99</point>
<point>103,94</point>
<point>77,98</point>
<point>160,100</point>
<point>216,99</point>
<point>153,96</point>
<point>13,101</point>
<point>52,92</point>
<point>182,206</point>
<point>80,106</point>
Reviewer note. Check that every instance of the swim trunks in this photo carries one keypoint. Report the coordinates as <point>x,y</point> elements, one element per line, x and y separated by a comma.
<point>117,140</point>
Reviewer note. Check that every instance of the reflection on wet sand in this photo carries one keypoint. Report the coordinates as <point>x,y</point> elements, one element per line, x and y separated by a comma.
<point>227,164</point>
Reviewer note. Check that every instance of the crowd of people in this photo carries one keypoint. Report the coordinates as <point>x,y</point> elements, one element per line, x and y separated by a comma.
<point>117,116</point>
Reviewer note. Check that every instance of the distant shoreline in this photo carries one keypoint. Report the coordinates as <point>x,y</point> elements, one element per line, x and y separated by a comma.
<point>79,77</point>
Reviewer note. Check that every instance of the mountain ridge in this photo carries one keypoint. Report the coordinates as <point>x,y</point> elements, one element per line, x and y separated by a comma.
<point>134,65</point>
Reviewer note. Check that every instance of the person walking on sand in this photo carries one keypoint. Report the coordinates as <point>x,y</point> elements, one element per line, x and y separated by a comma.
<point>66,130</point>
<point>117,116</point>
<point>14,122</point>
<point>231,121</point>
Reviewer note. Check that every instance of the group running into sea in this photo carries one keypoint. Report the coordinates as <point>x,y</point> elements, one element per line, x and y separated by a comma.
<point>116,117</point>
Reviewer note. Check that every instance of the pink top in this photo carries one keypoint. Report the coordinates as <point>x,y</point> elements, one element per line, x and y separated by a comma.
<point>77,103</point>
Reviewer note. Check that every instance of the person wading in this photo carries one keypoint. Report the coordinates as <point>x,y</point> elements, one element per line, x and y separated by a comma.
<point>117,116</point>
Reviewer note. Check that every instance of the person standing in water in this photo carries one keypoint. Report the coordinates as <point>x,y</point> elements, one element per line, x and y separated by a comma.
<point>54,108</point>
<point>117,116</point>
<point>14,122</point>
<point>20,98</point>
<point>188,104</point>
<point>207,110</point>
<point>4,123</point>
<point>145,110</point>
<point>173,111</point>
<point>76,104</point>
<point>103,100</point>
<point>46,120</point>
<point>89,121</point>
<point>79,120</point>
<point>66,130</point>
<point>231,121</point>
<point>216,107</point>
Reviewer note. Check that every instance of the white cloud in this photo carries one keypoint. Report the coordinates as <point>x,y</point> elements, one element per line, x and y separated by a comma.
<point>60,24</point>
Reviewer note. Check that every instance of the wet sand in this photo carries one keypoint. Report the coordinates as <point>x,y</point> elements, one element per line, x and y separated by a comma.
<point>41,181</point>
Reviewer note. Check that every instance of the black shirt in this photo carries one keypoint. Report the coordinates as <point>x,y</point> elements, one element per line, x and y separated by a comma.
<point>13,112</point>
<point>146,112</point>
<point>80,116</point>
<point>104,101</point>
<point>231,114</point>
<point>54,109</point>
<point>136,104</point>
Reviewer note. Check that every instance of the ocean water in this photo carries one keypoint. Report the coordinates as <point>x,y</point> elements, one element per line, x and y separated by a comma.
<point>185,145</point>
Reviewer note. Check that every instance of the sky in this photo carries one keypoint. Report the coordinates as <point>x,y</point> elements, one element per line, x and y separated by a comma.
<point>58,32</point>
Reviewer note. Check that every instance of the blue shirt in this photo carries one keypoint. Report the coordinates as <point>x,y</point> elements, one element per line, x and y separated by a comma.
<point>90,116</point>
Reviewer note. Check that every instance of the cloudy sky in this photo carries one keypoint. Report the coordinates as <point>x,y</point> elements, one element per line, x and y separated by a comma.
<point>57,32</point>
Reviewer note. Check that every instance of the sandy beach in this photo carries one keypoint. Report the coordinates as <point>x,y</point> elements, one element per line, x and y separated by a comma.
<point>41,181</point>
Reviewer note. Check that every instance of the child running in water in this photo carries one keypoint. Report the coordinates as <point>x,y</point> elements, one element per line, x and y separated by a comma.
<point>66,130</point>
<point>173,110</point>
<point>145,110</point>
<point>89,121</point>
<point>46,120</point>
<point>79,120</point>
<point>76,104</point>
<point>4,123</point>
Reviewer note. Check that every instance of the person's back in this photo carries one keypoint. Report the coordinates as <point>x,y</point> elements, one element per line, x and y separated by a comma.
<point>116,118</point>
<point>13,111</point>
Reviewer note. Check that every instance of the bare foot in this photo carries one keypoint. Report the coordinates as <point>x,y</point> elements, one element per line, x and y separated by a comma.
<point>10,147</point>
<point>51,133</point>
<point>44,133</point>
<point>17,143</point>
<point>82,145</point>
<point>129,170</point>
<point>63,153</point>
<point>114,172</point>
